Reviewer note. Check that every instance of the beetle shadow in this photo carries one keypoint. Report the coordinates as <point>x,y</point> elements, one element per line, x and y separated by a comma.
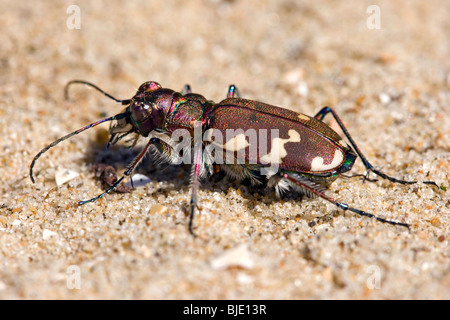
<point>120,157</point>
<point>178,177</point>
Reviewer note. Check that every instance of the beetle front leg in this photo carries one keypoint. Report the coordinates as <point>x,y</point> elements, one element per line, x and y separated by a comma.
<point>127,173</point>
<point>324,111</point>
<point>168,152</point>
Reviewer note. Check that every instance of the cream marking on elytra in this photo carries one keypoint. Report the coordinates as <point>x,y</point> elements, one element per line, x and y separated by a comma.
<point>237,143</point>
<point>318,165</point>
<point>207,136</point>
<point>304,117</point>
<point>343,143</point>
<point>278,151</point>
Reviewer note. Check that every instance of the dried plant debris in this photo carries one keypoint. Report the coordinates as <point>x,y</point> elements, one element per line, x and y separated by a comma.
<point>64,175</point>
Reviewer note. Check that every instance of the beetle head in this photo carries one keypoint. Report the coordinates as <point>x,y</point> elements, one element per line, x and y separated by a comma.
<point>147,111</point>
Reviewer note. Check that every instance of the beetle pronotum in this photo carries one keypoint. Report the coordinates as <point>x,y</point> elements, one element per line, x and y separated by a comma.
<point>294,151</point>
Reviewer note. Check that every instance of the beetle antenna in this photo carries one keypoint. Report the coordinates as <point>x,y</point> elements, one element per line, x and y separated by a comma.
<point>54,143</point>
<point>66,91</point>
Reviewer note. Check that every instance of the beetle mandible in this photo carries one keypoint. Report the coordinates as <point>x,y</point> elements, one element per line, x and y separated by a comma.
<point>294,151</point>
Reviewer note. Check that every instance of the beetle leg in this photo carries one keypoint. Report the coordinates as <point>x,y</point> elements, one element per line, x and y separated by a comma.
<point>186,89</point>
<point>166,152</point>
<point>195,182</point>
<point>324,111</point>
<point>127,173</point>
<point>233,92</point>
<point>365,177</point>
<point>309,187</point>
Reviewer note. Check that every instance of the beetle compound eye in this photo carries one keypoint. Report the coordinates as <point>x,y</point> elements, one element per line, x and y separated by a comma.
<point>141,111</point>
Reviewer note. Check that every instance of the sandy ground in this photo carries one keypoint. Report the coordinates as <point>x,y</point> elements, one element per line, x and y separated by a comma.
<point>390,86</point>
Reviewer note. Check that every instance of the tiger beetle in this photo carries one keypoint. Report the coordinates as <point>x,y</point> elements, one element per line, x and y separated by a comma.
<point>295,151</point>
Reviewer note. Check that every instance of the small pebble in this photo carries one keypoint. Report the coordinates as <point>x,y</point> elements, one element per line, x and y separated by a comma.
<point>47,234</point>
<point>139,180</point>
<point>238,256</point>
<point>384,98</point>
<point>435,222</point>
<point>158,209</point>
<point>64,175</point>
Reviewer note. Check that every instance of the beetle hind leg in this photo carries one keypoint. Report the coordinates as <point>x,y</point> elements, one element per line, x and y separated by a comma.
<point>307,185</point>
<point>324,111</point>
<point>283,185</point>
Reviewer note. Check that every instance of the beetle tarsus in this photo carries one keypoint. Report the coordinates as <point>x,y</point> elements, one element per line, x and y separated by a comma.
<point>80,203</point>
<point>192,208</point>
<point>366,214</point>
<point>340,205</point>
